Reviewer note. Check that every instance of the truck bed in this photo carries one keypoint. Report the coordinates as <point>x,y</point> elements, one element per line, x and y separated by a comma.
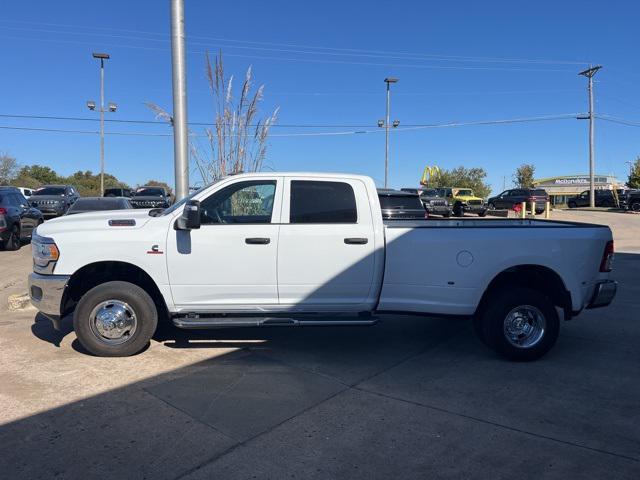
<point>441,266</point>
<point>489,223</point>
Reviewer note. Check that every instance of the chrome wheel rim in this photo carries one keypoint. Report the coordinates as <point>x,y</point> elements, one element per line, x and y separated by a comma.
<point>113,322</point>
<point>524,326</point>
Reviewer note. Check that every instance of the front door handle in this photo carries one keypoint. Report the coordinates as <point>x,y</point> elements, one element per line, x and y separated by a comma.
<point>257,241</point>
<point>356,241</point>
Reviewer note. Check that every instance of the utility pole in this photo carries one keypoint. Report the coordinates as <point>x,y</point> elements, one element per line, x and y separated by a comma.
<point>385,124</point>
<point>589,73</point>
<point>92,106</point>
<point>179,119</point>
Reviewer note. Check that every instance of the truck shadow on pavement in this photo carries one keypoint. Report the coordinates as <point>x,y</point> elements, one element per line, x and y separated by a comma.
<point>310,402</point>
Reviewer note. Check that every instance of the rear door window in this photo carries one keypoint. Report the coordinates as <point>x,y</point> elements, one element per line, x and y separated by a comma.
<point>322,202</point>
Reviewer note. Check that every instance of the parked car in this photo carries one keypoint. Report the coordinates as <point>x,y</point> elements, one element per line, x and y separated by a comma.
<point>94,204</point>
<point>150,197</point>
<point>603,198</point>
<point>396,204</point>
<point>434,203</point>
<point>318,254</point>
<point>117,192</point>
<point>415,191</point>
<point>26,192</point>
<point>510,198</point>
<point>18,219</point>
<point>463,200</point>
<point>54,200</point>
<point>632,200</point>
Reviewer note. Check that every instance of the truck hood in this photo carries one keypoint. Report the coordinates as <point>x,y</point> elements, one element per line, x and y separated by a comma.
<point>143,198</point>
<point>94,221</point>
<point>466,198</point>
<point>38,198</point>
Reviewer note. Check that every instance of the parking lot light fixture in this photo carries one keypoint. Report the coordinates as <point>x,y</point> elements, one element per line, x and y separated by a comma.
<point>388,81</point>
<point>91,105</point>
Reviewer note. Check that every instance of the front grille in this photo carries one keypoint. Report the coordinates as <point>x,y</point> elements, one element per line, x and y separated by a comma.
<point>145,203</point>
<point>438,203</point>
<point>475,202</point>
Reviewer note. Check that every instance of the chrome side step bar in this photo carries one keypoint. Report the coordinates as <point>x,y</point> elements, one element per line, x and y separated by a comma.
<point>197,321</point>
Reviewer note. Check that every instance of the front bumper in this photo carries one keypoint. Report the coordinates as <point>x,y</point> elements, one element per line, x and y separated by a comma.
<point>603,294</point>
<point>438,209</point>
<point>475,208</point>
<point>45,292</point>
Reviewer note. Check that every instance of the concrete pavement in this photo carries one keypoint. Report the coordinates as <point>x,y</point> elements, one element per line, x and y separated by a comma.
<point>411,397</point>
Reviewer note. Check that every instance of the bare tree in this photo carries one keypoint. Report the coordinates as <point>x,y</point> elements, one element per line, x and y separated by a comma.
<point>8,168</point>
<point>237,140</point>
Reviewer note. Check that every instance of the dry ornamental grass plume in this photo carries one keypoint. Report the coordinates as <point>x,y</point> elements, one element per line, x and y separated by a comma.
<point>238,140</point>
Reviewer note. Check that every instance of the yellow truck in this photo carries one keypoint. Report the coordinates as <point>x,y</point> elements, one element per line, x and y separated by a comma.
<point>463,200</point>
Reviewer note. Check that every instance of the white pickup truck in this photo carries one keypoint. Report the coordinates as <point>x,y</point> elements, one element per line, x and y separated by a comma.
<point>312,249</point>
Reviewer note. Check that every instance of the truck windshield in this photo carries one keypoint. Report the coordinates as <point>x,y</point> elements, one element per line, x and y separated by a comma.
<point>400,202</point>
<point>465,193</point>
<point>149,192</point>
<point>49,191</point>
<point>179,204</point>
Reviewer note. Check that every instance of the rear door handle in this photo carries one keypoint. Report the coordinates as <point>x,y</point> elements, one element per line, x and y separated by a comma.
<point>356,241</point>
<point>257,241</point>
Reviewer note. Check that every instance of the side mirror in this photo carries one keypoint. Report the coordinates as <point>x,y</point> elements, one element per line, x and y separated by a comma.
<point>190,218</point>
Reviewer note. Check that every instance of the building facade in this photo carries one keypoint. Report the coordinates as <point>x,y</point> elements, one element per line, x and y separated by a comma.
<point>561,188</point>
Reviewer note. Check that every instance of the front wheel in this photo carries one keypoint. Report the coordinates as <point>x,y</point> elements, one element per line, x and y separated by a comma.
<point>572,205</point>
<point>519,323</point>
<point>483,213</point>
<point>115,319</point>
<point>458,210</point>
<point>13,241</point>
<point>635,207</point>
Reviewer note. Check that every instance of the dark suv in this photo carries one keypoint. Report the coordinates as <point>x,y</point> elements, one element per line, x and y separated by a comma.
<point>18,219</point>
<point>435,203</point>
<point>150,197</point>
<point>631,200</point>
<point>398,205</point>
<point>117,192</point>
<point>510,198</point>
<point>603,198</point>
<point>54,200</point>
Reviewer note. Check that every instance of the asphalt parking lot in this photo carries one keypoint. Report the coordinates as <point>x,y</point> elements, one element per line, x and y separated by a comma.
<point>411,397</point>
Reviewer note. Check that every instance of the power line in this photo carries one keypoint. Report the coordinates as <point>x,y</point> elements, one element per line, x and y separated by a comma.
<point>621,121</point>
<point>297,46</point>
<point>317,134</point>
<point>208,124</point>
<point>308,60</point>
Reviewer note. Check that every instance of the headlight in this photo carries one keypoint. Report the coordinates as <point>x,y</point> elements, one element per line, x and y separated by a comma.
<point>45,253</point>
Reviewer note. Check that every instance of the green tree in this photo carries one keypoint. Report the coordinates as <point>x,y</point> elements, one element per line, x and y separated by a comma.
<point>634,175</point>
<point>8,168</point>
<point>462,177</point>
<point>88,183</point>
<point>44,175</point>
<point>523,178</point>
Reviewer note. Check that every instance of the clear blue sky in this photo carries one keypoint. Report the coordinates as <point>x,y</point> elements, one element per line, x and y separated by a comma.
<point>47,69</point>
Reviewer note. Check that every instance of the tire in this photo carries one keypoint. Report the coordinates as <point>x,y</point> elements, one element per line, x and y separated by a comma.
<point>483,213</point>
<point>491,206</point>
<point>446,215</point>
<point>572,205</point>
<point>12,243</point>
<point>458,211</point>
<point>133,307</point>
<point>506,311</point>
<point>635,207</point>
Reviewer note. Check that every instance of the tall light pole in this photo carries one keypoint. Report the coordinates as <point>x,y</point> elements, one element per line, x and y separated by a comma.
<point>589,73</point>
<point>92,106</point>
<point>179,120</point>
<point>388,81</point>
